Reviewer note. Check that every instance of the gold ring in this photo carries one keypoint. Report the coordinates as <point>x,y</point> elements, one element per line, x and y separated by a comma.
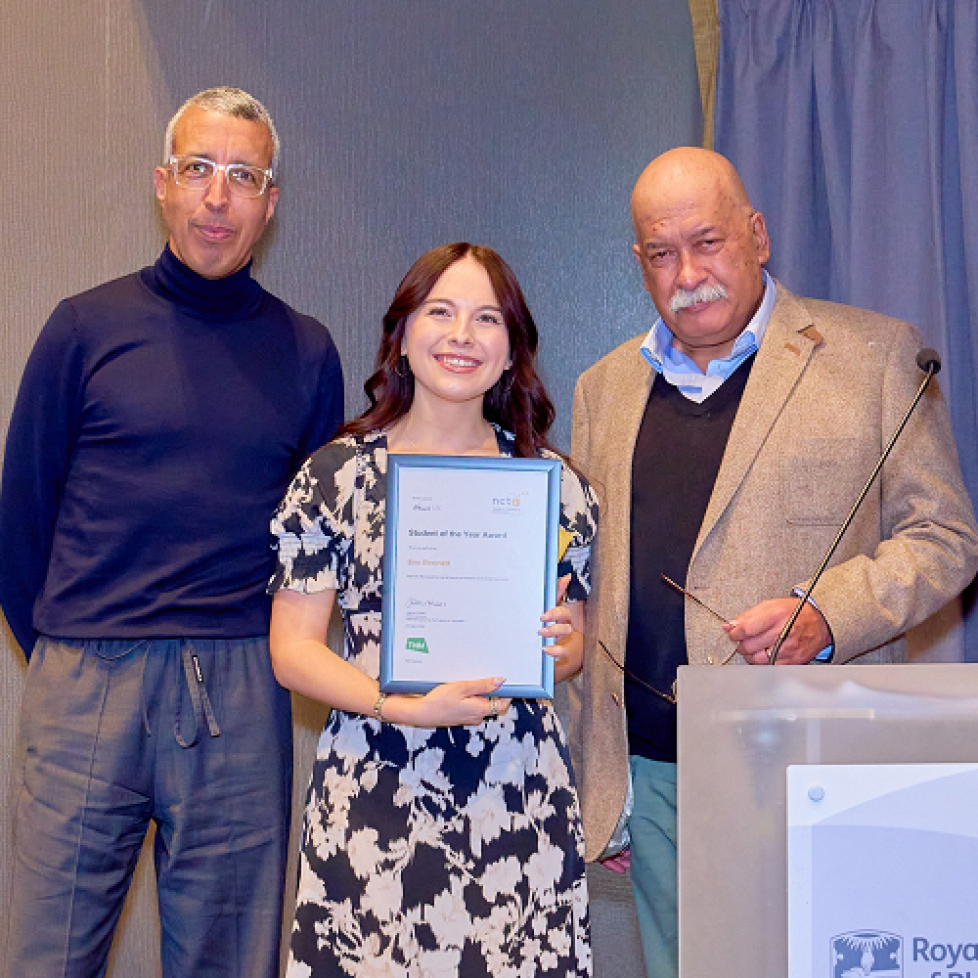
<point>493,707</point>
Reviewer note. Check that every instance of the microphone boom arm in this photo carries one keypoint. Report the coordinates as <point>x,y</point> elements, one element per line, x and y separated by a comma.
<point>931,364</point>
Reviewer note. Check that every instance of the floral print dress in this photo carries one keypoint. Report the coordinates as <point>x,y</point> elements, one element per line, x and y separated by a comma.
<point>455,851</point>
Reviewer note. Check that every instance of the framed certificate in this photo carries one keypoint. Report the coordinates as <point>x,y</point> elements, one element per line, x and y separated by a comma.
<point>470,564</point>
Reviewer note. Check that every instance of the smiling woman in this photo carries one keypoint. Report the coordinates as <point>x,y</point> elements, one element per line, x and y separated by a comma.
<point>517,400</point>
<point>456,342</point>
<point>442,834</point>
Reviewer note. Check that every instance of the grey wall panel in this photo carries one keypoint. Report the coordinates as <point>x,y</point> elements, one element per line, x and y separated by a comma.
<point>516,123</point>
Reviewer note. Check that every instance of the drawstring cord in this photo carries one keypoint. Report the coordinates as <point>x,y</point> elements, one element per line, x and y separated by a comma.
<point>198,697</point>
<point>144,709</point>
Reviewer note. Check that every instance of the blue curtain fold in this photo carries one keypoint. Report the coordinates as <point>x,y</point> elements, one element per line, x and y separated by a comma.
<point>854,124</point>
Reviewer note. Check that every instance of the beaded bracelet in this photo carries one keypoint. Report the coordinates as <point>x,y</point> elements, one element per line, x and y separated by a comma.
<point>379,706</point>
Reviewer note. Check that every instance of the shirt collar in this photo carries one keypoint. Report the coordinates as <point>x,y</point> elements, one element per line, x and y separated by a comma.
<point>679,370</point>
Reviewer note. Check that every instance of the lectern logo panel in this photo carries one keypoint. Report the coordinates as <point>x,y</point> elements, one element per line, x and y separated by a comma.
<point>864,953</point>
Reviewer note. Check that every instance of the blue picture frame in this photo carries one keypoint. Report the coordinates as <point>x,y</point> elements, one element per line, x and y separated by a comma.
<point>470,563</point>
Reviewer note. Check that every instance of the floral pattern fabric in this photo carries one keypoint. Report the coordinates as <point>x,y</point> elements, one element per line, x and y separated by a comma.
<point>428,853</point>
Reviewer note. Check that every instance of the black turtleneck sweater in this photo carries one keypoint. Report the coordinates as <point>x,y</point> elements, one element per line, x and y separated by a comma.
<point>158,423</point>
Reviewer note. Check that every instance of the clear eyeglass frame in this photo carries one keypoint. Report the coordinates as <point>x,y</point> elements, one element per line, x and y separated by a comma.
<point>198,172</point>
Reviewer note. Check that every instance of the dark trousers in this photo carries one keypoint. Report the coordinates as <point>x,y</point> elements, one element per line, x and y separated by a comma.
<point>194,735</point>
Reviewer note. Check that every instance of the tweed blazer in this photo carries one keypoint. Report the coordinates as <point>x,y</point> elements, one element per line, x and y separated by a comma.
<point>829,386</point>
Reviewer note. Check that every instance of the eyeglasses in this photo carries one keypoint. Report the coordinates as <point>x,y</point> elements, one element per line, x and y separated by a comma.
<point>669,697</point>
<point>692,597</point>
<point>198,172</point>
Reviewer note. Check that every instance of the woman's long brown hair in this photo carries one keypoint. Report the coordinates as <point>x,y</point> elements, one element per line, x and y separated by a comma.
<point>517,402</point>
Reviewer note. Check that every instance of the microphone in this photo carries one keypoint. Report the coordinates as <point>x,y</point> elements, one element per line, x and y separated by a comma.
<point>930,362</point>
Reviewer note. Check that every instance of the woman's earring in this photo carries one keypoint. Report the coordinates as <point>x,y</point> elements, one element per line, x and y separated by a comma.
<point>508,386</point>
<point>402,368</point>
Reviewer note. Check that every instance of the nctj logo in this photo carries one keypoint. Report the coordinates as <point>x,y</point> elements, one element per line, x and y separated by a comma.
<point>861,953</point>
<point>416,645</point>
<point>506,505</point>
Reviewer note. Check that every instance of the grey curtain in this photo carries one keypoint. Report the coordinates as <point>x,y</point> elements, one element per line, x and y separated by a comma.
<point>855,126</point>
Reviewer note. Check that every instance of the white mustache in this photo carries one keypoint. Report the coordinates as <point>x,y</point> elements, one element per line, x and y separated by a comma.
<point>682,299</point>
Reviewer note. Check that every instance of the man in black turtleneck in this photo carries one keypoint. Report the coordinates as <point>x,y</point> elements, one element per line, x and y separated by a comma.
<point>159,420</point>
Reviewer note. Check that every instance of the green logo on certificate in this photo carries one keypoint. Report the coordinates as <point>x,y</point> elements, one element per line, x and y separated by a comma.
<point>417,645</point>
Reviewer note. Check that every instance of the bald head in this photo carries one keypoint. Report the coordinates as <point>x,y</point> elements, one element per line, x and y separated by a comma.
<point>701,248</point>
<point>689,172</point>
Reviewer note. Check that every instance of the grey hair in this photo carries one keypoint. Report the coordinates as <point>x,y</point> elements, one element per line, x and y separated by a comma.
<point>226,101</point>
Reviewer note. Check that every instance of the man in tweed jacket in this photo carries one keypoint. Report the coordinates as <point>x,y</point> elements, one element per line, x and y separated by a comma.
<point>727,447</point>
